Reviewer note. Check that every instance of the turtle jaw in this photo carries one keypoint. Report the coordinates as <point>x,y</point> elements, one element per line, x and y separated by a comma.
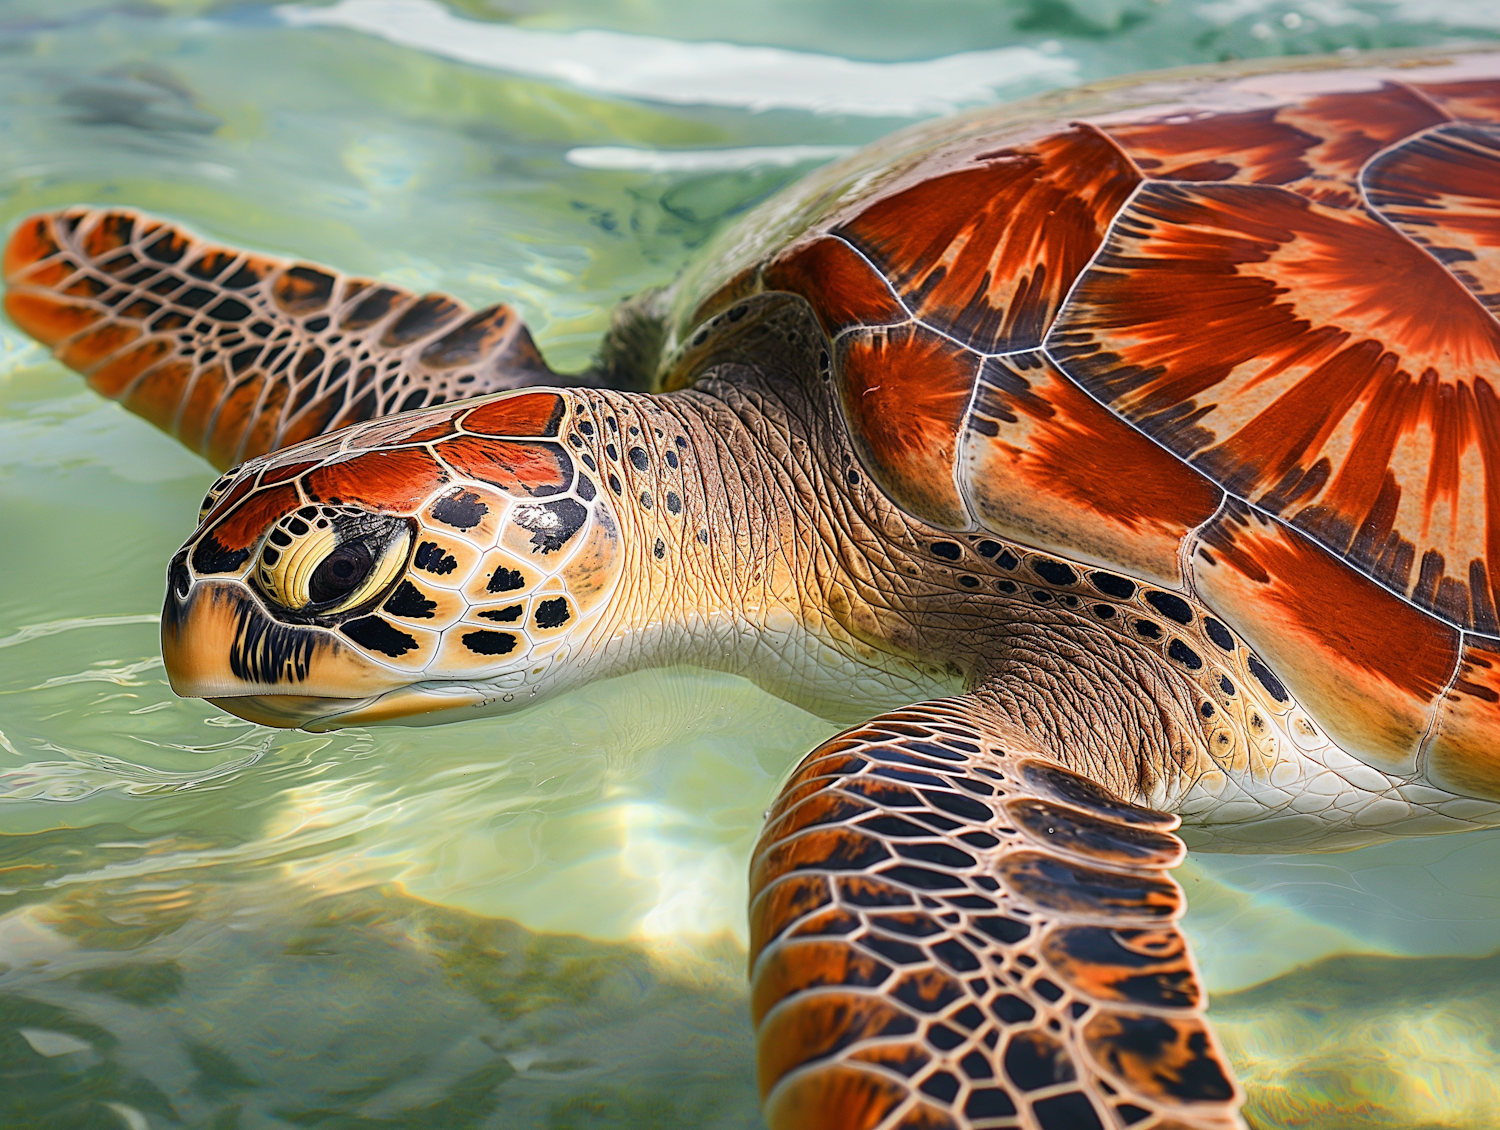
<point>320,715</point>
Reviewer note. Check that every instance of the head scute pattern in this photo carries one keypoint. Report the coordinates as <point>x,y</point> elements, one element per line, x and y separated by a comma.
<point>461,543</point>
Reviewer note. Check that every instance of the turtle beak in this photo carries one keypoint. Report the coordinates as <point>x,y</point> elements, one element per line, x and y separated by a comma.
<point>218,643</point>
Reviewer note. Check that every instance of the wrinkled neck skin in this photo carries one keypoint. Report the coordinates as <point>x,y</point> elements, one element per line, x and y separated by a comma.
<point>755,544</point>
<point>790,567</point>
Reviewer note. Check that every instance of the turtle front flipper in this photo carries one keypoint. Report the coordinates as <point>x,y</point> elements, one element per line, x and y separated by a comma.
<point>237,354</point>
<point>950,931</point>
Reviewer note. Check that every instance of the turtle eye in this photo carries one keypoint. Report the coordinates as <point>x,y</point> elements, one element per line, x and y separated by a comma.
<point>321,560</point>
<point>341,572</point>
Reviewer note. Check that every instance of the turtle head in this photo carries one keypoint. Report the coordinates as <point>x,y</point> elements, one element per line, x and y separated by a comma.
<point>448,560</point>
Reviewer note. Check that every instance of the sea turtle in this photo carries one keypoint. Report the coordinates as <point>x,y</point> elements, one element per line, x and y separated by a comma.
<point>1131,455</point>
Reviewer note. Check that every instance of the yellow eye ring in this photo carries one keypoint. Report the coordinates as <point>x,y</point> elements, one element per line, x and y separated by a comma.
<point>294,568</point>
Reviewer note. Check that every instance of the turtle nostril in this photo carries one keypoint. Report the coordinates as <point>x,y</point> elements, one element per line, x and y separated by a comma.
<point>179,580</point>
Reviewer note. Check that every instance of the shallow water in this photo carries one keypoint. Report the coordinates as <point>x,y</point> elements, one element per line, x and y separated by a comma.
<point>536,920</point>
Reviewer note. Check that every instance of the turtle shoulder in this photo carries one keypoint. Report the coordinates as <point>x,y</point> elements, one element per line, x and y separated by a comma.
<point>1233,334</point>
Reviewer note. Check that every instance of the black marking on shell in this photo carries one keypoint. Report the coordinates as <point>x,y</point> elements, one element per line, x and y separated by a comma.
<point>507,615</point>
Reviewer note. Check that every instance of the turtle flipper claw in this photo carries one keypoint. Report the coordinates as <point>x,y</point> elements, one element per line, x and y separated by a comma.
<point>236,353</point>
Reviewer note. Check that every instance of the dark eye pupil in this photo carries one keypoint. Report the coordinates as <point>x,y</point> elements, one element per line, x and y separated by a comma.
<point>341,572</point>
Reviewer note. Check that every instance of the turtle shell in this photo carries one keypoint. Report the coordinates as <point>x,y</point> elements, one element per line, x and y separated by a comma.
<point>1233,335</point>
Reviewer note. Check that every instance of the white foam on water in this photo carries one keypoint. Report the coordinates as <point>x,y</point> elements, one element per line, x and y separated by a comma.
<point>624,157</point>
<point>711,74</point>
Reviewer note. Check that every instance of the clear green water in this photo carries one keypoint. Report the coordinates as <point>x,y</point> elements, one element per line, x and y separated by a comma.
<point>538,920</point>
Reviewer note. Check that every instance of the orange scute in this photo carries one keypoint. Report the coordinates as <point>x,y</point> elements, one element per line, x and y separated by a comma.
<point>1464,754</point>
<point>393,481</point>
<point>1366,664</point>
<point>525,414</point>
<point>842,287</point>
<point>905,390</point>
<point>518,468</point>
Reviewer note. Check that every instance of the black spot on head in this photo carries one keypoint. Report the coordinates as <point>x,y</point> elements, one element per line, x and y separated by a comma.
<point>1007,560</point>
<point>1266,678</point>
<point>638,458</point>
<point>646,501</point>
<point>703,537</point>
<point>1207,710</point>
<point>1218,633</point>
<point>614,483</point>
<point>1171,606</point>
<point>659,550</point>
<point>408,601</point>
<point>507,615</point>
<point>674,504</point>
<point>1147,629</point>
<point>552,613</point>
<point>588,461</point>
<point>379,635</point>
<point>988,548</point>
<point>1008,587</point>
<point>552,524</point>
<point>506,580</point>
<point>585,427</point>
<point>1225,685</point>
<point>211,557</point>
<point>947,550</point>
<point>462,510</point>
<point>612,451</point>
<point>485,642</point>
<point>969,582</point>
<point>672,460</point>
<point>1185,655</point>
<point>1041,596</point>
<point>431,558</point>
<point>1053,572</point>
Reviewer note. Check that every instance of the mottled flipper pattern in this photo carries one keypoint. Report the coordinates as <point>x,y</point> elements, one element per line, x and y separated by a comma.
<point>949,931</point>
<point>237,354</point>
